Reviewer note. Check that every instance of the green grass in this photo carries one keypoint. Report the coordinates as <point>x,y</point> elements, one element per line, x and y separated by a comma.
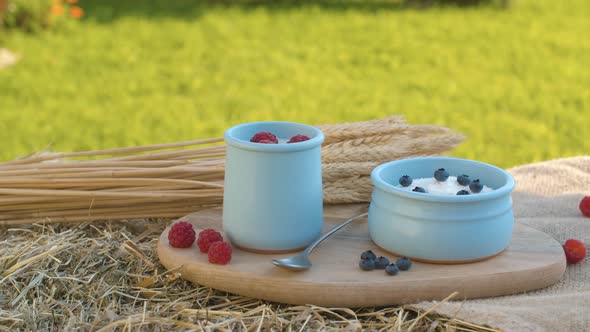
<point>516,82</point>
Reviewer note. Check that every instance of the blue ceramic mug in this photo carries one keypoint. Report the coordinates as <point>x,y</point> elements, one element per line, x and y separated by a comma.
<point>272,198</point>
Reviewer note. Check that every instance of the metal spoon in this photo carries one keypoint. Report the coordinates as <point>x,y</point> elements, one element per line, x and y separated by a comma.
<point>301,261</point>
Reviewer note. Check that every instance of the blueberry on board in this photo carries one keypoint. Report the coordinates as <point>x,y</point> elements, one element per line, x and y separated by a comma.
<point>462,192</point>
<point>463,180</point>
<point>381,262</point>
<point>405,181</point>
<point>392,269</point>
<point>367,264</point>
<point>368,255</point>
<point>441,175</point>
<point>475,186</point>
<point>403,263</point>
<point>419,190</point>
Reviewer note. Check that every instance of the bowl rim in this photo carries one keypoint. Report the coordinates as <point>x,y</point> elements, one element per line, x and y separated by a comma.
<point>232,140</point>
<point>381,184</point>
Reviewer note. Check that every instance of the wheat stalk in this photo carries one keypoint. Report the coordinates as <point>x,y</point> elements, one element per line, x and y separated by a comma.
<point>346,131</point>
<point>353,189</point>
<point>401,147</point>
<point>335,171</point>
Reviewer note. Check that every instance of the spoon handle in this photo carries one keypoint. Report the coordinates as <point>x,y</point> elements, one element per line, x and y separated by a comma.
<point>330,232</point>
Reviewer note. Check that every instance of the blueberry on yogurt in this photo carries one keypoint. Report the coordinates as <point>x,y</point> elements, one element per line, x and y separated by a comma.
<point>441,175</point>
<point>463,192</point>
<point>419,190</point>
<point>463,180</point>
<point>475,186</point>
<point>405,181</point>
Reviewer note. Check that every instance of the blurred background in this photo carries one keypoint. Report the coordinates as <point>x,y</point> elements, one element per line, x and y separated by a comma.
<point>513,76</point>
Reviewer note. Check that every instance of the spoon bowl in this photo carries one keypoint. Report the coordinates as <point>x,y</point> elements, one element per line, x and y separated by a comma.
<point>294,263</point>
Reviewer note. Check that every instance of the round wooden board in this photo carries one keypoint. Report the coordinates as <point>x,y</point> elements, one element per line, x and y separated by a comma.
<point>533,260</point>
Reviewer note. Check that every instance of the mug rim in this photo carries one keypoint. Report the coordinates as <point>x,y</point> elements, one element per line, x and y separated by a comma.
<point>232,140</point>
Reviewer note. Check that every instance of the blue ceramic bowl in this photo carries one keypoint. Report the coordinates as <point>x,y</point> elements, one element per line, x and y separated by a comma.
<point>439,228</point>
<point>272,199</point>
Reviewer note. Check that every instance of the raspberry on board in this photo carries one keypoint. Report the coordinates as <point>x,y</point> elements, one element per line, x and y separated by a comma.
<point>207,237</point>
<point>298,138</point>
<point>220,253</point>
<point>575,251</point>
<point>181,235</point>
<point>585,206</point>
<point>264,137</point>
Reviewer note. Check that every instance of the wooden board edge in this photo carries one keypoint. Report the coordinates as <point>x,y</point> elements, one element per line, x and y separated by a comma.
<point>351,297</point>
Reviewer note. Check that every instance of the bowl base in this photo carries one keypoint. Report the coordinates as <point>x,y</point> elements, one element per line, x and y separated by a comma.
<point>442,262</point>
<point>269,251</point>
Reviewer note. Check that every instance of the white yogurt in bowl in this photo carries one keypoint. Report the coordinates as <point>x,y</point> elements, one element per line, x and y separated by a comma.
<point>448,187</point>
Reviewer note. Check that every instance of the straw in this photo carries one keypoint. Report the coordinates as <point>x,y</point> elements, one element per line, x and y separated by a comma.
<point>105,276</point>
